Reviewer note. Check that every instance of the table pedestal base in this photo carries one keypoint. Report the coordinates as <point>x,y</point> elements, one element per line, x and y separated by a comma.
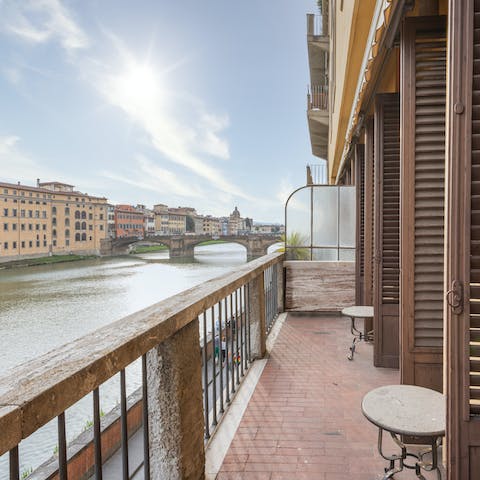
<point>397,461</point>
<point>357,337</point>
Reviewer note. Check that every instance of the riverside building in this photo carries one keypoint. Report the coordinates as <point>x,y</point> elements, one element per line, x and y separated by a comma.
<point>50,218</point>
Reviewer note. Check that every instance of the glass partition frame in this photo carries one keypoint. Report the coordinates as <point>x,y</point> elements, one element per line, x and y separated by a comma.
<point>342,249</point>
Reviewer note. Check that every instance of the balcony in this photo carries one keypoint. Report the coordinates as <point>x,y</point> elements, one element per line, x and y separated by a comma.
<point>317,96</point>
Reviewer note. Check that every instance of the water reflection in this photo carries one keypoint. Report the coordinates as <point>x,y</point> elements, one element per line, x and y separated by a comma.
<point>47,306</point>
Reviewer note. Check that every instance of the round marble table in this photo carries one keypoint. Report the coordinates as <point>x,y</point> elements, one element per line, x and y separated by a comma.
<point>412,411</point>
<point>358,311</point>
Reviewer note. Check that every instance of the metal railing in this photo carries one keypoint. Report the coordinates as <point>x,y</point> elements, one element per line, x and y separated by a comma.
<point>271,297</point>
<point>317,174</point>
<point>164,343</point>
<point>317,25</point>
<point>317,97</point>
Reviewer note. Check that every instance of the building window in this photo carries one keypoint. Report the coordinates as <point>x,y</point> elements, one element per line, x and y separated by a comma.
<point>23,244</point>
<point>14,226</point>
<point>30,244</point>
<point>54,233</point>
<point>54,221</point>
<point>67,242</point>
<point>101,227</point>
<point>101,216</point>
<point>30,226</point>
<point>5,212</point>
<point>67,233</point>
<point>44,226</point>
<point>90,216</point>
<point>77,214</point>
<point>14,245</point>
<point>14,212</point>
<point>37,227</point>
<point>5,191</point>
<point>84,225</point>
<point>54,210</point>
<point>5,246</point>
<point>90,227</point>
<point>38,243</point>
<point>44,214</point>
<point>77,237</point>
<point>5,227</point>
<point>37,214</point>
<point>23,227</point>
<point>84,215</point>
<point>30,213</point>
<point>22,213</point>
<point>67,211</point>
<point>54,243</point>
<point>84,237</point>
<point>90,238</point>
<point>67,222</point>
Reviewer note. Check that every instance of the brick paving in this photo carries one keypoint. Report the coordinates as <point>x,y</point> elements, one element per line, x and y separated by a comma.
<point>304,419</point>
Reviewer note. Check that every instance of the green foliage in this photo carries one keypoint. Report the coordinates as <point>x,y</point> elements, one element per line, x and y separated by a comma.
<point>190,224</point>
<point>26,473</point>
<point>299,252</point>
<point>148,249</point>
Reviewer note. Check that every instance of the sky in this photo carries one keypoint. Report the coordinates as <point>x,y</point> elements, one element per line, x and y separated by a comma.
<point>185,103</point>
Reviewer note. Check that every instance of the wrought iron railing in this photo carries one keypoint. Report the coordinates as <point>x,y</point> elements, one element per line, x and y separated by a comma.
<point>317,97</point>
<point>165,343</point>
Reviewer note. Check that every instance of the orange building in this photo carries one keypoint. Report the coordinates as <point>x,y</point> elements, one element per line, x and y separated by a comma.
<point>129,222</point>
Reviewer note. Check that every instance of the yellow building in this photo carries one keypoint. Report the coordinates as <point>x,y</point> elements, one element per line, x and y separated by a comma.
<point>51,218</point>
<point>403,117</point>
<point>211,225</point>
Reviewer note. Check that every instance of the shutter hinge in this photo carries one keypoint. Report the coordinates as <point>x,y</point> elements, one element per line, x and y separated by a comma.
<point>455,297</point>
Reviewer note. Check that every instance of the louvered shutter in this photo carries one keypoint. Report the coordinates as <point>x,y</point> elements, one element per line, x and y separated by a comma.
<point>368,215</point>
<point>360,224</point>
<point>387,217</point>
<point>423,87</point>
<point>462,254</point>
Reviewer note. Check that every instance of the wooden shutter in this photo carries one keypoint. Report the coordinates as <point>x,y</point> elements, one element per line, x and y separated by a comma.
<point>360,224</point>
<point>387,225</point>
<point>462,253</point>
<point>423,87</point>
<point>368,217</point>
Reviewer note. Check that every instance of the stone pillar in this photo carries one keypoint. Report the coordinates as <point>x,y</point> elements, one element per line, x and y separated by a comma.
<point>258,334</point>
<point>179,248</point>
<point>175,405</point>
<point>280,286</point>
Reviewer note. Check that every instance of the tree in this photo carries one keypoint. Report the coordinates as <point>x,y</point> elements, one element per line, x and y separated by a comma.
<point>190,224</point>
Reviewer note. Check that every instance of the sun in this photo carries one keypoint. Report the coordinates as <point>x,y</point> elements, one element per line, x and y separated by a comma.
<point>138,86</point>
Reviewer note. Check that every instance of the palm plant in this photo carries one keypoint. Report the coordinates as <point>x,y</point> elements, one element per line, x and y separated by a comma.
<point>297,241</point>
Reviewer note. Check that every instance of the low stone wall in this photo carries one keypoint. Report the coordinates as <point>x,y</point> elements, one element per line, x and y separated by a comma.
<point>80,452</point>
<point>319,286</point>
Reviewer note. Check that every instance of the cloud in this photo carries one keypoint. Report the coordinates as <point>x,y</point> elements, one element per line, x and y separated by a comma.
<point>178,127</point>
<point>16,165</point>
<point>149,176</point>
<point>41,21</point>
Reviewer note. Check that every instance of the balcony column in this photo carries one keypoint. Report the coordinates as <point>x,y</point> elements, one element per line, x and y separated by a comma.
<point>256,311</point>
<point>176,423</point>
<point>280,286</point>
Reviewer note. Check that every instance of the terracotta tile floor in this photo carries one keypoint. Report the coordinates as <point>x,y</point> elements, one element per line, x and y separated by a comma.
<point>304,419</point>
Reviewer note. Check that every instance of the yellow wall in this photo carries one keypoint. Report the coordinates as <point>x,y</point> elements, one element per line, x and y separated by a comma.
<point>347,44</point>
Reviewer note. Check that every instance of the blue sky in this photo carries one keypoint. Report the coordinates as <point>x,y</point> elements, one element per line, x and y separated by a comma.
<point>185,103</point>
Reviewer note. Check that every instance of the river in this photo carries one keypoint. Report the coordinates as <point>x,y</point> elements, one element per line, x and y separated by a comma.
<point>47,306</point>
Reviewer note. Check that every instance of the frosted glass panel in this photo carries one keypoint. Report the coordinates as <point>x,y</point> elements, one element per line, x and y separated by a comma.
<point>298,253</point>
<point>298,218</point>
<point>347,217</point>
<point>347,255</point>
<point>325,217</point>
<point>324,254</point>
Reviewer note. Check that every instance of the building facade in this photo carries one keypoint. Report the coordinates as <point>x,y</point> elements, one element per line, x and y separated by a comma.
<point>50,218</point>
<point>402,108</point>
<point>211,226</point>
<point>128,222</point>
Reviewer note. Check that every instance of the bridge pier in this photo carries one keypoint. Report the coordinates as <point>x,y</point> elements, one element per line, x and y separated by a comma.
<point>180,248</point>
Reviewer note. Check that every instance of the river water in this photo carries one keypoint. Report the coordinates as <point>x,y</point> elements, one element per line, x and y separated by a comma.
<point>47,306</point>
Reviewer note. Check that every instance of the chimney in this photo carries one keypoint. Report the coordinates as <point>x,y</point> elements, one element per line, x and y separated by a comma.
<point>38,182</point>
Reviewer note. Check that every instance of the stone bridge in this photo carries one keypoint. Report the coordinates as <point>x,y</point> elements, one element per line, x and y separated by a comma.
<point>184,245</point>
